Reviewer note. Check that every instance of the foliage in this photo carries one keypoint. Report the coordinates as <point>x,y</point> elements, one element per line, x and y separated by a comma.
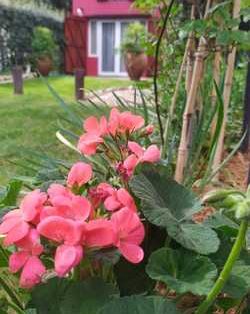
<point>43,44</point>
<point>15,20</point>
<point>135,38</point>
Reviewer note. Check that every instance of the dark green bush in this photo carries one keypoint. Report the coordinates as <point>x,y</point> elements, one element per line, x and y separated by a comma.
<point>16,32</point>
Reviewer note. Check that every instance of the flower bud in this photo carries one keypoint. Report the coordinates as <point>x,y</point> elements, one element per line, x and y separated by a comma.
<point>232,200</point>
<point>243,210</point>
<point>149,129</point>
<point>217,195</point>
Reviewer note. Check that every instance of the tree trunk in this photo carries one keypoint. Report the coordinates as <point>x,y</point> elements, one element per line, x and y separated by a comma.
<point>226,94</point>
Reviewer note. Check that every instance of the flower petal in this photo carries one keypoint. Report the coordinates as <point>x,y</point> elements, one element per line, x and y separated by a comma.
<point>136,149</point>
<point>60,229</point>
<point>32,204</point>
<point>152,154</point>
<point>99,233</point>
<point>126,199</point>
<point>32,272</point>
<point>79,174</point>
<point>66,258</point>
<point>17,261</point>
<point>133,253</point>
<point>17,233</point>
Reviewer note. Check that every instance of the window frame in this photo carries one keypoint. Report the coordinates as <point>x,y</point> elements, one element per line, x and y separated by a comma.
<point>90,52</point>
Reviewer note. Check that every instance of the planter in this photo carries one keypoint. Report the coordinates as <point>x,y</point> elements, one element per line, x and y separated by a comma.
<point>136,64</point>
<point>44,65</point>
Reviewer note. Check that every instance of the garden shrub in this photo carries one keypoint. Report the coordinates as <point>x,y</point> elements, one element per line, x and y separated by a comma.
<point>16,31</point>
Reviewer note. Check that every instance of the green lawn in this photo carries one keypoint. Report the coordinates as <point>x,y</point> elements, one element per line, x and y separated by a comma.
<point>30,120</point>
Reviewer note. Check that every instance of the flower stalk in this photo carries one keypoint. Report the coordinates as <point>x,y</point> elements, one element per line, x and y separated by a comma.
<point>226,271</point>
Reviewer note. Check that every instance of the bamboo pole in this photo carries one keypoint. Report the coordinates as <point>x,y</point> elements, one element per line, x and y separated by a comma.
<point>191,51</point>
<point>190,104</point>
<point>226,94</point>
<point>216,78</point>
<point>185,62</point>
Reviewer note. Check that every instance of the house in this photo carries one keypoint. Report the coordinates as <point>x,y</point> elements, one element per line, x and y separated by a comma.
<point>94,32</point>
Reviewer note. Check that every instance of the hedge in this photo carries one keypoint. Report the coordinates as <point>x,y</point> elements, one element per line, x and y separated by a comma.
<point>16,30</point>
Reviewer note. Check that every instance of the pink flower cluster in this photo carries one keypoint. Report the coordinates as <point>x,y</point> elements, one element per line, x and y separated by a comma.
<point>67,222</point>
<point>119,127</point>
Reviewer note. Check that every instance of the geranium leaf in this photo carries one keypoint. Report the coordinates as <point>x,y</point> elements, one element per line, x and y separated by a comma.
<point>238,284</point>
<point>87,297</point>
<point>61,296</point>
<point>140,305</point>
<point>53,292</point>
<point>163,198</point>
<point>182,271</point>
<point>195,237</point>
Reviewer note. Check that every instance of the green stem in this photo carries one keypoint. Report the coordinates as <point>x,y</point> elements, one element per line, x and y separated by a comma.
<point>226,271</point>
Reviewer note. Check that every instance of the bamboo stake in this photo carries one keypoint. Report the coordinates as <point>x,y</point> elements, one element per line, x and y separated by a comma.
<point>226,94</point>
<point>191,51</point>
<point>216,78</point>
<point>177,87</point>
<point>190,104</point>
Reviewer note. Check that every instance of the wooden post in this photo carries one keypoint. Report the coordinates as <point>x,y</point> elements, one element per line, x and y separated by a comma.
<point>17,74</point>
<point>79,84</point>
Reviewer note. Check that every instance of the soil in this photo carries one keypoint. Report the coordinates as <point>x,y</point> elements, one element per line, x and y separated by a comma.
<point>235,173</point>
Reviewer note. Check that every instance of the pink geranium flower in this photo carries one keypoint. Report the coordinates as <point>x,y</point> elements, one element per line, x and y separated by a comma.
<point>69,234</point>
<point>79,174</point>
<point>100,193</point>
<point>66,204</point>
<point>124,122</point>
<point>140,155</point>
<point>119,199</point>
<point>130,234</point>
<point>99,233</point>
<point>27,259</point>
<point>93,137</point>
<point>16,224</point>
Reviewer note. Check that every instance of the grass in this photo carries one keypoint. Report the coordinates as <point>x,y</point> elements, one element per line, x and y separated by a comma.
<point>30,120</point>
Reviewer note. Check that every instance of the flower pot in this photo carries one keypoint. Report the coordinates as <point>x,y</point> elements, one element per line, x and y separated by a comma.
<point>136,64</point>
<point>44,65</point>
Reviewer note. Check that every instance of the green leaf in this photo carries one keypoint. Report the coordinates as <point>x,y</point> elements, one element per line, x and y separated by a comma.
<point>87,297</point>
<point>166,203</point>
<point>132,278</point>
<point>140,305</point>
<point>9,195</point>
<point>61,296</point>
<point>163,198</point>
<point>238,284</point>
<point>195,237</point>
<point>53,292</point>
<point>182,271</point>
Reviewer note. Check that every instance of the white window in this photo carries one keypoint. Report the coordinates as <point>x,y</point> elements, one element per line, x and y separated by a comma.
<point>93,38</point>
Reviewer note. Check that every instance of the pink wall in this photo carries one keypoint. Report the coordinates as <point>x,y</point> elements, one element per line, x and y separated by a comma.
<point>92,66</point>
<point>94,8</point>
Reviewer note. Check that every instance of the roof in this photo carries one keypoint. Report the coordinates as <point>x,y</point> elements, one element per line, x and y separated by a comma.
<point>105,8</point>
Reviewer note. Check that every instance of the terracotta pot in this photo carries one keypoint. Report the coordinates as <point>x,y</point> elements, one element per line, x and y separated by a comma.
<point>44,65</point>
<point>136,64</point>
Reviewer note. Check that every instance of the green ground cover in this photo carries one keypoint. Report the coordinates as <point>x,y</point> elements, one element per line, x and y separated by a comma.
<point>30,120</point>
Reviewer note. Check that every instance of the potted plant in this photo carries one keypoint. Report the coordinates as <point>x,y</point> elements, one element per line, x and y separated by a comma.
<point>133,48</point>
<point>44,49</point>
